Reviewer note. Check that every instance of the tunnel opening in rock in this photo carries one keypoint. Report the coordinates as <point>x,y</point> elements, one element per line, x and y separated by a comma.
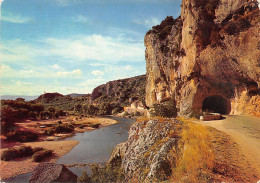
<point>216,104</point>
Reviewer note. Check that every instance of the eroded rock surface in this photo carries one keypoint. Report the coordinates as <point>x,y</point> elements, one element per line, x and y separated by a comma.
<point>146,154</point>
<point>50,172</point>
<point>212,50</point>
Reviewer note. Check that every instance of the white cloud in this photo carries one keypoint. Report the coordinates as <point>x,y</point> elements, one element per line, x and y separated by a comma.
<point>149,23</point>
<point>1,3</point>
<point>80,19</point>
<point>97,64</point>
<point>96,47</point>
<point>21,83</point>
<point>70,74</point>
<point>38,72</point>
<point>92,82</point>
<point>17,87</point>
<point>12,18</point>
<point>89,48</point>
<point>16,51</point>
<point>56,67</point>
<point>97,73</point>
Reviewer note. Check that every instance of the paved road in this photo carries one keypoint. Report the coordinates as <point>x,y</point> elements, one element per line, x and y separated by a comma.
<point>245,131</point>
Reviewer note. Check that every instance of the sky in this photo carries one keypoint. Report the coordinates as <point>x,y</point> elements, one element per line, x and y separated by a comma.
<point>72,46</point>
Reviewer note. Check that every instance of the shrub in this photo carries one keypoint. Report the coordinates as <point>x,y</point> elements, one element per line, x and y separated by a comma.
<point>137,113</point>
<point>117,110</point>
<point>109,173</point>
<point>84,178</point>
<point>9,154</point>
<point>40,155</point>
<point>36,149</point>
<point>25,151</point>
<point>82,126</point>
<point>13,153</point>
<point>64,128</point>
<point>49,132</point>
<point>95,125</point>
<point>22,136</point>
<point>166,109</point>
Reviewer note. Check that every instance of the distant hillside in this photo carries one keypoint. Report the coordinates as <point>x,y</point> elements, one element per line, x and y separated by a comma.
<point>63,102</point>
<point>78,95</point>
<point>13,97</point>
<point>120,91</point>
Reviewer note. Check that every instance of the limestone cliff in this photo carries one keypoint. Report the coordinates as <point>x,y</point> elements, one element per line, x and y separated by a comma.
<point>208,59</point>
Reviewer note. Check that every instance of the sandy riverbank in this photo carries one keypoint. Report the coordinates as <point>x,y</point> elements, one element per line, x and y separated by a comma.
<point>25,165</point>
<point>42,125</point>
<point>20,166</point>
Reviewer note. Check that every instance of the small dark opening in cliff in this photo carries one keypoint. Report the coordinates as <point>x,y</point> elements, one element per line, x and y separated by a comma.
<point>216,104</point>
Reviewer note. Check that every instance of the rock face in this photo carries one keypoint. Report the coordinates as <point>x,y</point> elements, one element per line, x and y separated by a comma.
<point>146,154</point>
<point>121,91</point>
<point>210,53</point>
<point>50,172</point>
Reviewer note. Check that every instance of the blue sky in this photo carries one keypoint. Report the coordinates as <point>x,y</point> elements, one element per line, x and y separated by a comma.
<point>72,46</point>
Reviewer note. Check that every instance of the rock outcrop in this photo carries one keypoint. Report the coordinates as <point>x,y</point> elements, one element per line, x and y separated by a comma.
<point>50,172</point>
<point>120,91</point>
<point>146,155</point>
<point>209,55</point>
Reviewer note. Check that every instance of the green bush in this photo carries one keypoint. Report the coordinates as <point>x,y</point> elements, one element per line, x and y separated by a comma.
<point>137,113</point>
<point>166,109</point>
<point>9,154</point>
<point>40,155</point>
<point>49,132</point>
<point>22,136</point>
<point>109,173</point>
<point>13,153</point>
<point>84,178</point>
<point>117,110</point>
<point>94,125</point>
<point>82,126</point>
<point>64,128</point>
<point>36,149</point>
<point>25,151</point>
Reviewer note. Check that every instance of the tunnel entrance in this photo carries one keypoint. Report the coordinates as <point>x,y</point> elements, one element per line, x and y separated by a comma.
<point>216,104</point>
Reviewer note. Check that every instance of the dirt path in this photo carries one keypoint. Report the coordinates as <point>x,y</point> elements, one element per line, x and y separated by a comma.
<point>245,131</point>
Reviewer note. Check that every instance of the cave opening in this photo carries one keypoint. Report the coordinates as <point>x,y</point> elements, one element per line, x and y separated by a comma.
<point>216,104</point>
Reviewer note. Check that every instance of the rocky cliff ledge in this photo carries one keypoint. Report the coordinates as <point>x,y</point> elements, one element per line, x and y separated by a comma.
<point>146,156</point>
<point>208,59</point>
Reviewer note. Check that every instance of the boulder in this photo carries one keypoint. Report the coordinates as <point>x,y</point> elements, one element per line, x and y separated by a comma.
<point>50,172</point>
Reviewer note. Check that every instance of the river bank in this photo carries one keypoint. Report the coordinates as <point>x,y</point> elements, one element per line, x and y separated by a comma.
<point>9,169</point>
<point>20,166</point>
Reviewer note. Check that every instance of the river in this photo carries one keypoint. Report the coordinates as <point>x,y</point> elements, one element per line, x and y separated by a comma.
<point>94,147</point>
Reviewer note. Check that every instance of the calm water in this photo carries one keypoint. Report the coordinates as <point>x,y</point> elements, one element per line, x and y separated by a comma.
<point>94,147</point>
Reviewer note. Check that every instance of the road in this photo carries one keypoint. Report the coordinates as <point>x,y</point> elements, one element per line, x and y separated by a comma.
<point>245,131</point>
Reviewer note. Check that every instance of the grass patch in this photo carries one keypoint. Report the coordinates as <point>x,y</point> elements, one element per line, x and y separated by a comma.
<point>195,159</point>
